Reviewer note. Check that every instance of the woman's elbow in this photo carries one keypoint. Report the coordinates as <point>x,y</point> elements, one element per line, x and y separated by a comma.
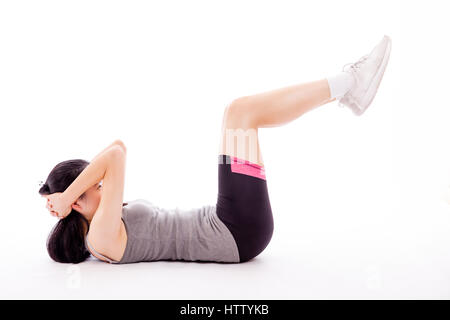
<point>121,144</point>
<point>116,153</point>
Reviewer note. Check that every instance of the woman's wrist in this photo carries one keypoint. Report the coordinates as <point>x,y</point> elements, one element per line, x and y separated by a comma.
<point>67,198</point>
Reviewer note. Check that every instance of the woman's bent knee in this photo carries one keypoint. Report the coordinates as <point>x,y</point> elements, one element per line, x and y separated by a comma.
<point>238,114</point>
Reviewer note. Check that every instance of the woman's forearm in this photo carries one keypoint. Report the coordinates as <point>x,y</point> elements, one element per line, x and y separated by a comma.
<point>93,173</point>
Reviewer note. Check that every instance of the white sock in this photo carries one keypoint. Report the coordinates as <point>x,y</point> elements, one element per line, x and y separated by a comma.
<point>340,84</point>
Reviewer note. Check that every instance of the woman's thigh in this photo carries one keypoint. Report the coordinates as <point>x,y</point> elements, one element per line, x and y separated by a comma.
<point>243,205</point>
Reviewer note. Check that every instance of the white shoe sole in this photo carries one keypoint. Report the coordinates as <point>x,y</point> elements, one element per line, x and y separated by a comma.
<point>374,85</point>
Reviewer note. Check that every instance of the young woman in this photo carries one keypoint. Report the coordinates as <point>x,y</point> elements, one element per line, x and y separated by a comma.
<point>87,197</point>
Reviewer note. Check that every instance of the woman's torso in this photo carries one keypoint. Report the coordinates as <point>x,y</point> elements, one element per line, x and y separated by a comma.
<point>152,233</point>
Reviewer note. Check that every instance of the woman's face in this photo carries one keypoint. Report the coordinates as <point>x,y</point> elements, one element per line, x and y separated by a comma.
<point>88,202</point>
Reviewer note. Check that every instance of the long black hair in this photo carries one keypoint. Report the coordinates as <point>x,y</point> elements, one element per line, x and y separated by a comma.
<point>66,240</point>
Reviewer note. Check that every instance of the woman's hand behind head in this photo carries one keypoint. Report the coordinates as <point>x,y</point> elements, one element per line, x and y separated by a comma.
<point>57,205</point>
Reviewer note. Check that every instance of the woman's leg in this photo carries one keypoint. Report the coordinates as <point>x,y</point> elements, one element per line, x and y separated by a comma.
<point>244,115</point>
<point>243,201</point>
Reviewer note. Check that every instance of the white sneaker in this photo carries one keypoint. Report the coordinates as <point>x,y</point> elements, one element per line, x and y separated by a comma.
<point>368,72</point>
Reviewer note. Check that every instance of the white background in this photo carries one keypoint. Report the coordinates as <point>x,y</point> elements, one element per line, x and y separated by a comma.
<point>357,201</point>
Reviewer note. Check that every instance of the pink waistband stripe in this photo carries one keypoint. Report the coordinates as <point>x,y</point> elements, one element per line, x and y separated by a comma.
<point>247,168</point>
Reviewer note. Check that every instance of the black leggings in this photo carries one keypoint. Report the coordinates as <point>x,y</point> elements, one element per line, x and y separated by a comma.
<point>243,205</point>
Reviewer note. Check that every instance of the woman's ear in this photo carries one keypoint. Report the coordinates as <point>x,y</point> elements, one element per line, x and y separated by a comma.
<point>76,206</point>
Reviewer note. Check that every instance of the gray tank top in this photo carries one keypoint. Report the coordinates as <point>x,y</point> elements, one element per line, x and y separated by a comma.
<point>155,233</point>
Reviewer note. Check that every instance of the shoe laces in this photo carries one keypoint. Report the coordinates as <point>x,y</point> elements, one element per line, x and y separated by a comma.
<point>352,69</point>
<point>356,65</point>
